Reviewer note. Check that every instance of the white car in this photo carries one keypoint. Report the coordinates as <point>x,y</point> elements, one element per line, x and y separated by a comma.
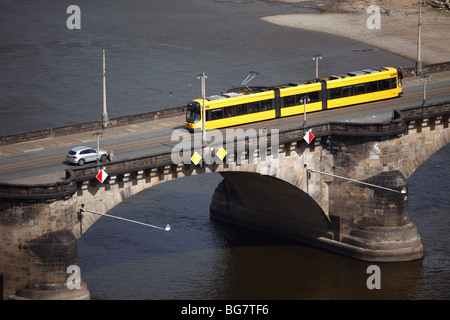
<point>82,155</point>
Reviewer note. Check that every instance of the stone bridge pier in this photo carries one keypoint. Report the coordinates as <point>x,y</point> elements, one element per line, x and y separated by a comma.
<point>36,241</point>
<point>346,217</point>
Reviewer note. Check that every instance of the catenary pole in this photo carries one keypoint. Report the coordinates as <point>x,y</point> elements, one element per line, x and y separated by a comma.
<point>105,113</point>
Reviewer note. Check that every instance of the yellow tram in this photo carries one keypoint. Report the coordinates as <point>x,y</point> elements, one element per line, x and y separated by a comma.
<point>246,105</point>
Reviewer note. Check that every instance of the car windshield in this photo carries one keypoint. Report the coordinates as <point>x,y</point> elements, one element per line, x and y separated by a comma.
<point>193,112</point>
<point>71,152</point>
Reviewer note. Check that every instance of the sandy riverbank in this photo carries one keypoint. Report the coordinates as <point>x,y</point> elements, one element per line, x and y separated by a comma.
<point>398,31</point>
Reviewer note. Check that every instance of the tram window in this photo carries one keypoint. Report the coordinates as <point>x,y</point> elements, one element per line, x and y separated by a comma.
<point>266,105</point>
<point>384,84</point>
<point>299,99</point>
<point>359,88</point>
<point>254,107</point>
<point>393,83</point>
<point>192,114</point>
<point>229,112</point>
<point>335,93</point>
<point>288,101</point>
<point>216,114</point>
<point>314,96</point>
<point>371,86</point>
<point>241,109</point>
<point>347,91</point>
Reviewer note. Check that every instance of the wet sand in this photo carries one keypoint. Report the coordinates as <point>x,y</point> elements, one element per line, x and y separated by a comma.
<point>398,32</point>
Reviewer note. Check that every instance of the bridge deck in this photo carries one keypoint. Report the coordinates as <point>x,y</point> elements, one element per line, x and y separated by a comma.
<point>30,153</point>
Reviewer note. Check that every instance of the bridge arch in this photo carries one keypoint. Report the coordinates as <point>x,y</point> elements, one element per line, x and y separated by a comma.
<point>292,204</point>
<point>430,144</point>
<point>246,198</point>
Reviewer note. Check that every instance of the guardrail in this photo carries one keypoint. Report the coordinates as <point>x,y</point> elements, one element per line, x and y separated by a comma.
<point>431,68</point>
<point>89,126</point>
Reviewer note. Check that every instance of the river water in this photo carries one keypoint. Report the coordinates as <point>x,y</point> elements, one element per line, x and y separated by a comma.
<point>51,76</point>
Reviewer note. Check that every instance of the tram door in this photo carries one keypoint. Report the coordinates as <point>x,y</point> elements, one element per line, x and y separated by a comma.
<point>277,103</point>
<point>324,95</point>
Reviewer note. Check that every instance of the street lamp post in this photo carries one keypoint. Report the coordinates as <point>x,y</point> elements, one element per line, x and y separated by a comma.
<point>202,78</point>
<point>419,62</point>
<point>424,78</point>
<point>99,135</point>
<point>316,58</point>
<point>104,114</point>
<point>304,100</point>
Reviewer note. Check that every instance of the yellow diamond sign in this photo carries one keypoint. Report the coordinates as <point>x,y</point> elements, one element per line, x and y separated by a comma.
<point>196,158</point>
<point>221,153</point>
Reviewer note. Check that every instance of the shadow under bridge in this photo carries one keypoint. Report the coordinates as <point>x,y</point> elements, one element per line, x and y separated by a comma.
<point>270,205</point>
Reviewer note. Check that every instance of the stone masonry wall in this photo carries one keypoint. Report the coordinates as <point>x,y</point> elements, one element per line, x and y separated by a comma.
<point>36,244</point>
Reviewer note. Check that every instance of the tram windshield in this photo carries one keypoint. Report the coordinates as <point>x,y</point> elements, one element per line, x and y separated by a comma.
<point>193,112</point>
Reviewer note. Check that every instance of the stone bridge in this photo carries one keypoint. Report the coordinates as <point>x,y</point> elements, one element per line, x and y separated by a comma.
<point>290,193</point>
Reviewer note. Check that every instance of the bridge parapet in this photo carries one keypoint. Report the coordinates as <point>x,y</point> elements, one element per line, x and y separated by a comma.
<point>59,189</point>
<point>402,120</point>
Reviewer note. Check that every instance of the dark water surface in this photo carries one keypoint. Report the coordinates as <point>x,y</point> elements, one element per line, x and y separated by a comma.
<point>51,76</point>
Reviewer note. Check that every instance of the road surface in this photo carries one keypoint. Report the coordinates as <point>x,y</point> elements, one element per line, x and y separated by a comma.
<point>43,161</point>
